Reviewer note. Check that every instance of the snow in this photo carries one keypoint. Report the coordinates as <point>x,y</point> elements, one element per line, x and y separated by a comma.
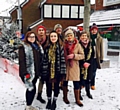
<point>105,97</point>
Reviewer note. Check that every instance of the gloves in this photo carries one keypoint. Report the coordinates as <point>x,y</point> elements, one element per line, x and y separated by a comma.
<point>86,65</point>
<point>101,61</point>
<point>27,76</point>
<point>71,56</point>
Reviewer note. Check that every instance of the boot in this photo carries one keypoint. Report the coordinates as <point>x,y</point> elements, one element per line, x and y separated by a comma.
<point>65,99</point>
<point>77,97</point>
<point>48,106</point>
<point>53,107</point>
<point>87,88</point>
<point>39,97</point>
<point>80,96</point>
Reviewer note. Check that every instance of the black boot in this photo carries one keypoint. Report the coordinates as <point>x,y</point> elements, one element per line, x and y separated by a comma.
<point>39,97</point>
<point>53,107</point>
<point>48,106</point>
<point>87,88</point>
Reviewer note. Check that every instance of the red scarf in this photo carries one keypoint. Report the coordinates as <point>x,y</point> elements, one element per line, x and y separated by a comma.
<point>69,48</point>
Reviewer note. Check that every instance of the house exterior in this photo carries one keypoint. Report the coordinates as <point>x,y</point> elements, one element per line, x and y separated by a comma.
<point>48,13</point>
<point>106,14</point>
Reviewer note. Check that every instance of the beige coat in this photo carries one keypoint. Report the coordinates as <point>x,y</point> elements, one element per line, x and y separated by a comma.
<point>99,49</point>
<point>73,73</point>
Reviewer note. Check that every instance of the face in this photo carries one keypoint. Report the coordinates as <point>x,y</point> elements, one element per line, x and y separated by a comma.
<point>70,37</point>
<point>41,32</point>
<point>83,37</point>
<point>31,38</point>
<point>59,30</point>
<point>94,31</point>
<point>53,37</point>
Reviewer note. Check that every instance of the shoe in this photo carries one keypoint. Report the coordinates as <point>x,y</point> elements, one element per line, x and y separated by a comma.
<point>93,87</point>
<point>30,108</point>
<point>53,107</point>
<point>90,96</point>
<point>48,106</point>
<point>39,97</point>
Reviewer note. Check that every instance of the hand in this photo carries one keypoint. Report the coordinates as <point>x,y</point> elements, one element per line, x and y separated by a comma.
<point>27,76</point>
<point>101,61</point>
<point>71,56</point>
<point>86,65</point>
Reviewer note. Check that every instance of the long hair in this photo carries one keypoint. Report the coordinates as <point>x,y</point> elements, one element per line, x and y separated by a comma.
<point>59,40</point>
<point>27,35</point>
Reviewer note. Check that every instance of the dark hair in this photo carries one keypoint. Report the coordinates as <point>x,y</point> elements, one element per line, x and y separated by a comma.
<point>28,34</point>
<point>79,34</point>
<point>59,39</point>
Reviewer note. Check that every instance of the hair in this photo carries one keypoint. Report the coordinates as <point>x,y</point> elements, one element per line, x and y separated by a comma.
<point>79,34</point>
<point>49,42</point>
<point>28,34</point>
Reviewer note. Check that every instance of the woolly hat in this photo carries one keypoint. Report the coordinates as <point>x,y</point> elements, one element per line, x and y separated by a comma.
<point>57,26</point>
<point>94,26</point>
<point>41,27</point>
<point>69,31</point>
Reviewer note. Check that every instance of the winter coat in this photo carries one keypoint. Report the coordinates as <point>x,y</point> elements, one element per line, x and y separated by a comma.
<point>90,60</point>
<point>73,73</point>
<point>99,50</point>
<point>60,66</point>
<point>37,57</point>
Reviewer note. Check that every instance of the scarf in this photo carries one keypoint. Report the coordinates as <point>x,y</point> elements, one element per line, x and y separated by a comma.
<point>52,55</point>
<point>85,70</point>
<point>84,42</point>
<point>69,48</point>
<point>93,37</point>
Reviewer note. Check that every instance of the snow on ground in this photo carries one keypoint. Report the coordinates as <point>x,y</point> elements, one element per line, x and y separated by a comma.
<point>106,96</point>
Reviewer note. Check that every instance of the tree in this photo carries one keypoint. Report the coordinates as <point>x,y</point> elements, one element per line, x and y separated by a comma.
<point>86,19</point>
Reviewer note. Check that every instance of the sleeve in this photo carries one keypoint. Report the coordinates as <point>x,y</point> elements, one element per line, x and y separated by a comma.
<point>63,64</point>
<point>22,62</point>
<point>80,54</point>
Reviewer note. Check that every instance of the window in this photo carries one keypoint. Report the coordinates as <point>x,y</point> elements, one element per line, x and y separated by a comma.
<point>48,11</point>
<point>74,11</point>
<point>56,11</point>
<point>81,12</point>
<point>65,11</point>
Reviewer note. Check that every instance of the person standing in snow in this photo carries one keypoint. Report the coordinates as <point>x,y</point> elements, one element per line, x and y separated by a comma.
<point>54,67</point>
<point>73,53</point>
<point>86,64</point>
<point>41,34</point>
<point>97,43</point>
<point>30,60</point>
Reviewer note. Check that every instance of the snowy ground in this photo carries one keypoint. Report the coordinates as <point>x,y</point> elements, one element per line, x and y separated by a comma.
<point>106,96</point>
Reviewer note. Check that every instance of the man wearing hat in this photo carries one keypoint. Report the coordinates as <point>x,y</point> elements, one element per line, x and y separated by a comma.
<point>97,42</point>
<point>41,31</point>
<point>58,29</point>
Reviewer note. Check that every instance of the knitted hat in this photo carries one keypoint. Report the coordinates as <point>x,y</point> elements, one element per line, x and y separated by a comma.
<point>57,26</point>
<point>69,31</point>
<point>94,26</point>
<point>41,27</point>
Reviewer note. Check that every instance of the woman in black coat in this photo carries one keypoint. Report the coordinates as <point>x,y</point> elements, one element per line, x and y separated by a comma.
<point>86,65</point>
<point>30,59</point>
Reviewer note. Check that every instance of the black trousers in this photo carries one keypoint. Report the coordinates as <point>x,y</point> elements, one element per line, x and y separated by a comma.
<point>31,94</point>
<point>49,88</point>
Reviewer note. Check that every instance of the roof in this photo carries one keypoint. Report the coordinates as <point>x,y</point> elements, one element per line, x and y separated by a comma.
<point>105,17</point>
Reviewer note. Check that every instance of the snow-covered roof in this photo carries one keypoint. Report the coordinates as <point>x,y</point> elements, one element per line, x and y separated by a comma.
<point>105,17</point>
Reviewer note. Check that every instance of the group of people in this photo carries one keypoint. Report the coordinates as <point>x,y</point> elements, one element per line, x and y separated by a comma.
<point>56,59</point>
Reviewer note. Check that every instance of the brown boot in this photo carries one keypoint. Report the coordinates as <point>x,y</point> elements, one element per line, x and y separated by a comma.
<point>77,97</point>
<point>65,99</point>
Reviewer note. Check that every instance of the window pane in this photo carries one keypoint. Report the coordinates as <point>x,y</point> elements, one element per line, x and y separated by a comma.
<point>81,12</point>
<point>65,11</point>
<point>56,11</point>
<point>47,11</point>
<point>74,11</point>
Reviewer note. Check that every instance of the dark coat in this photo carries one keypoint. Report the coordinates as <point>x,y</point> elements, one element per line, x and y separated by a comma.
<point>90,68</point>
<point>60,66</point>
<point>22,61</point>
